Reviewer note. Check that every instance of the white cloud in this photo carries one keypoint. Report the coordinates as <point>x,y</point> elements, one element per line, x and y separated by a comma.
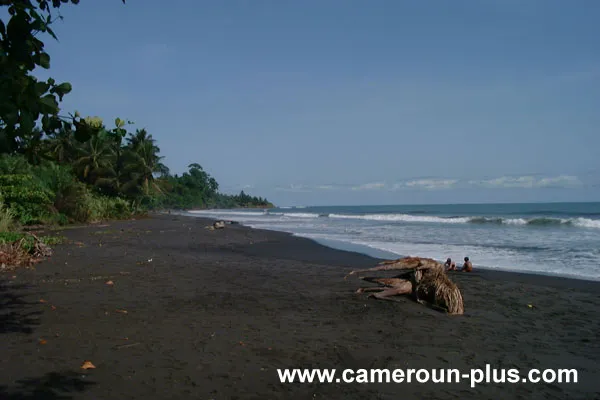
<point>429,184</point>
<point>528,182</point>
<point>524,182</point>
<point>327,187</point>
<point>293,188</point>
<point>560,181</point>
<point>506,182</point>
<point>370,186</point>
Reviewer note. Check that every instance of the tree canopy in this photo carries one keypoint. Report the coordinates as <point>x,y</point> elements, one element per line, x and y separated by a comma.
<point>25,100</point>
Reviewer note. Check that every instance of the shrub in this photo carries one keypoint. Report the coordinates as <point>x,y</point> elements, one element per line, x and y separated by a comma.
<point>103,208</point>
<point>26,197</point>
<point>7,218</point>
<point>28,243</point>
<point>69,194</point>
<point>14,165</point>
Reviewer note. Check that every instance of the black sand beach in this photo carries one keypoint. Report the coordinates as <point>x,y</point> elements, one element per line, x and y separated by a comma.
<point>199,314</point>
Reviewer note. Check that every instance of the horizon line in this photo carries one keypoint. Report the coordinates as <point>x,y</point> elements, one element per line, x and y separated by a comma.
<point>440,204</point>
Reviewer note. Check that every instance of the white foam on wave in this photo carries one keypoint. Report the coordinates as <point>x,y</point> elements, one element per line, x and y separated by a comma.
<point>498,259</point>
<point>397,240</point>
<point>295,215</point>
<point>403,217</point>
<point>515,221</point>
<point>227,212</point>
<point>586,223</point>
<point>540,221</point>
<point>253,213</point>
<point>578,222</point>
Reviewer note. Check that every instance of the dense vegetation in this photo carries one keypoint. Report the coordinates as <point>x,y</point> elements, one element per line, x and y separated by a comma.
<point>58,169</point>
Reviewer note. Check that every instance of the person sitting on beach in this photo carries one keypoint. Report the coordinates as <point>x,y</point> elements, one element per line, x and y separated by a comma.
<point>467,266</point>
<point>450,265</point>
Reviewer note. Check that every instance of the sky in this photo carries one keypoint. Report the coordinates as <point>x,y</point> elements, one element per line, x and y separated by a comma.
<point>341,102</point>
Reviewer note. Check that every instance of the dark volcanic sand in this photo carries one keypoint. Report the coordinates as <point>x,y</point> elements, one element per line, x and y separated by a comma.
<point>215,313</point>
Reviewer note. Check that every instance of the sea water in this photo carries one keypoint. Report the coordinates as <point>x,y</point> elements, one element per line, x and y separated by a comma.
<point>548,238</point>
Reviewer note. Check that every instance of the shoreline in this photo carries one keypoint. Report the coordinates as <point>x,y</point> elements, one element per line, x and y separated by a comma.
<point>526,276</point>
<point>195,313</point>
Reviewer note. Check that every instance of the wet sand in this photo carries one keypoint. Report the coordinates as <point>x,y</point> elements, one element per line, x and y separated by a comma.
<point>200,314</point>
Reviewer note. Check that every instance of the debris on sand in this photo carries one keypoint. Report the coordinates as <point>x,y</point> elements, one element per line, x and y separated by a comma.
<point>216,225</point>
<point>220,224</point>
<point>424,279</point>
<point>87,365</point>
<point>23,253</point>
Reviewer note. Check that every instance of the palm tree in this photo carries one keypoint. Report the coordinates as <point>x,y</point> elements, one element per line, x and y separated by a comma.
<point>140,136</point>
<point>143,162</point>
<point>61,147</point>
<point>95,159</point>
<point>32,146</point>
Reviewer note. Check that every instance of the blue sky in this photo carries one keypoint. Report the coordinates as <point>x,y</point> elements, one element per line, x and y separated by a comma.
<point>351,102</point>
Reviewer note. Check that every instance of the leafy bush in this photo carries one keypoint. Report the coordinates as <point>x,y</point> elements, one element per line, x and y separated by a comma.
<point>29,240</point>
<point>14,165</point>
<point>7,218</point>
<point>58,219</point>
<point>70,196</point>
<point>31,202</point>
<point>103,208</point>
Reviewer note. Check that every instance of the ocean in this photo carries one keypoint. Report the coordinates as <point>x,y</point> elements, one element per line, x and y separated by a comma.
<point>560,239</point>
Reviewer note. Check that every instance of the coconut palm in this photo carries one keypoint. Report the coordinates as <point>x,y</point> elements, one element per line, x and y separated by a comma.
<point>32,146</point>
<point>96,159</point>
<point>61,147</point>
<point>143,162</point>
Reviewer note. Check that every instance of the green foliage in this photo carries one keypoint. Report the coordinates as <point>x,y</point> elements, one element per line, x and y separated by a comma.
<point>197,189</point>
<point>192,189</point>
<point>24,100</point>
<point>75,201</point>
<point>26,197</point>
<point>95,158</point>
<point>244,200</point>
<point>141,161</point>
<point>108,178</point>
<point>14,164</point>
<point>105,208</point>
<point>28,240</point>
<point>7,218</point>
<point>51,193</point>
<point>69,193</point>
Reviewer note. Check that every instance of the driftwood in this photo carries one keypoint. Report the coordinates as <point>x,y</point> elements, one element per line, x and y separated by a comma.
<point>424,279</point>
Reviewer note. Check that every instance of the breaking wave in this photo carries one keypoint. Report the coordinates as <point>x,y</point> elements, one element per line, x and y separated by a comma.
<point>294,215</point>
<point>539,221</point>
<point>579,222</point>
<point>227,212</point>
